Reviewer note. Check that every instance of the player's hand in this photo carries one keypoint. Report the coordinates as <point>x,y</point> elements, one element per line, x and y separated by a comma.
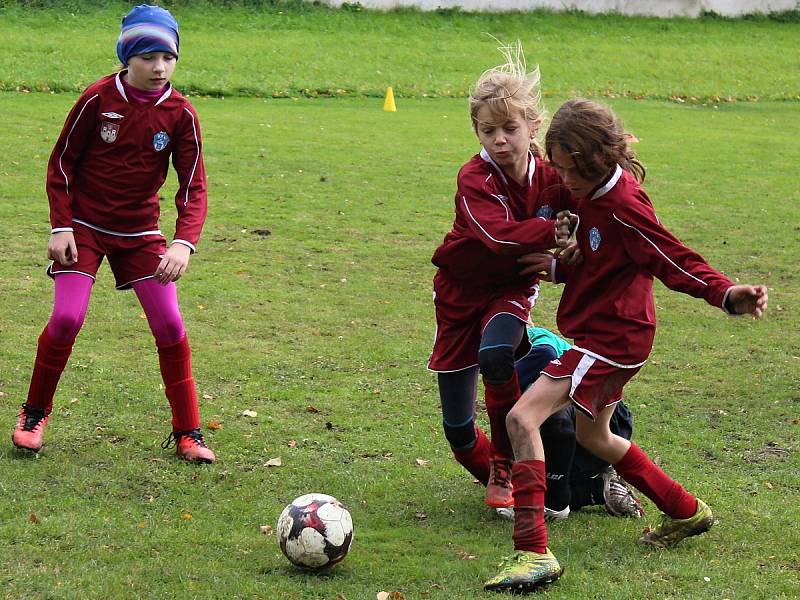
<point>173,264</point>
<point>748,300</point>
<point>537,263</point>
<point>566,224</point>
<point>62,249</point>
<point>571,255</point>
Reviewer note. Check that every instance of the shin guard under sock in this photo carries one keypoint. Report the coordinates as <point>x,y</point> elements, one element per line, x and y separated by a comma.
<point>637,469</point>
<point>529,483</point>
<point>179,386</point>
<point>51,359</point>
<point>476,459</point>
<point>500,399</point>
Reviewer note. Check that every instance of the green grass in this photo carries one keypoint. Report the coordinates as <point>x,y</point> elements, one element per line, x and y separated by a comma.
<point>332,310</point>
<point>275,51</point>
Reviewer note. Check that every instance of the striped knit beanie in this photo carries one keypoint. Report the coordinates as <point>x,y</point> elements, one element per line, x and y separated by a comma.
<point>147,29</point>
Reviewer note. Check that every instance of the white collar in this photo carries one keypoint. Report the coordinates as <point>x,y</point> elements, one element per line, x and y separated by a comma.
<point>531,165</point>
<point>121,89</point>
<point>609,184</point>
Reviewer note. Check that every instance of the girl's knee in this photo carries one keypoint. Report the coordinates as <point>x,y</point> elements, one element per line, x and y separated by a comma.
<point>169,331</point>
<point>519,424</point>
<point>64,326</point>
<point>497,363</point>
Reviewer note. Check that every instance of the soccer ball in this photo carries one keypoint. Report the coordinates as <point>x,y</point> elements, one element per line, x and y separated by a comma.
<point>315,531</point>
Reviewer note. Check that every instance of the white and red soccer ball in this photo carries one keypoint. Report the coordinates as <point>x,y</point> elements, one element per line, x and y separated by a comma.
<point>315,531</point>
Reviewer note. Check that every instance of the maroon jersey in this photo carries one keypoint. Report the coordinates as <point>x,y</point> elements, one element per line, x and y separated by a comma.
<point>607,307</point>
<point>112,158</point>
<point>497,220</point>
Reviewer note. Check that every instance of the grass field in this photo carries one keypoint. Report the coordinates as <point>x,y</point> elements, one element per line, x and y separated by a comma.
<point>309,303</point>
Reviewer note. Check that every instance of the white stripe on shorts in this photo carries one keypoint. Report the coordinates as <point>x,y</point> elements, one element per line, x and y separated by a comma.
<point>583,367</point>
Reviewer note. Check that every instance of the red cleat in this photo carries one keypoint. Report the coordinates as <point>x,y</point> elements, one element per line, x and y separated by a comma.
<point>29,432</point>
<point>191,446</point>
<point>499,490</point>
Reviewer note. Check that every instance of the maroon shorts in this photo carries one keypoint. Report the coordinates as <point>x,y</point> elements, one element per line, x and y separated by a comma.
<point>130,258</point>
<point>595,384</point>
<point>461,316</point>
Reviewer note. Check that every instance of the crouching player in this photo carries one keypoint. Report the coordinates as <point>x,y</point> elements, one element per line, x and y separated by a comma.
<point>575,477</point>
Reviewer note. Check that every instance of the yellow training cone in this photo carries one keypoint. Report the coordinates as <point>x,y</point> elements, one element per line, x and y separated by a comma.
<point>388,104</point>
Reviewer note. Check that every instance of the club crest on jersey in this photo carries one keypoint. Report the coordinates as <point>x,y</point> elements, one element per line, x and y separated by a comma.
<point>545,212</point>
<point>594,238</point>
<point>160,141</point>
<point>109,131</point>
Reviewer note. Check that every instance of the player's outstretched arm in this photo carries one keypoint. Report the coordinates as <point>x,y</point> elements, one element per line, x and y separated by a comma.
<point>747,300</point>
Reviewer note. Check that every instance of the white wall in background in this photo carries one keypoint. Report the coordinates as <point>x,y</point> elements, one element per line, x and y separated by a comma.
<point>656,8</point>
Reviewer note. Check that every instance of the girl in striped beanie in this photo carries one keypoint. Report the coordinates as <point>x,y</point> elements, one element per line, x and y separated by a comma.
<point>103,183</point>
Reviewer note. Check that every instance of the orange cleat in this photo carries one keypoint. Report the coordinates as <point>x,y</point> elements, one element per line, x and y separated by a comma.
<point>499,490</point>
<point>29,432</point>
<point>191,446</point>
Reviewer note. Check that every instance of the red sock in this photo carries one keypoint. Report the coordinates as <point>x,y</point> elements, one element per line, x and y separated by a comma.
<point>176,370</point>
<point>500,399</point>
<point>51,359</point>
<point>637,469</point>
<point>476,459</point>
<point>528,477</point>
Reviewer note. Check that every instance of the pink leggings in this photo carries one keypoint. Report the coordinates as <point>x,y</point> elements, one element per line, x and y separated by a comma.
<point>72,292</point>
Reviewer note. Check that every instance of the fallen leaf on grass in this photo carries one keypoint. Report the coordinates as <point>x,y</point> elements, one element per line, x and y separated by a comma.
<point>187,516</point>
<point>266,529</point>
<point>420,516</point>
<point>249,413</point>
<point>292,443</point>
<point>33,518</point>
<point>465,555</point>
<point>390,596</point>
<point>274,462</point>
<point>422,462</point>
<point>214,425</point>
<point>208,397</point>
<point>312,409</point>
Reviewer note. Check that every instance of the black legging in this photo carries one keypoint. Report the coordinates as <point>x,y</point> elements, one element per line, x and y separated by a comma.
<point>458,389</point>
